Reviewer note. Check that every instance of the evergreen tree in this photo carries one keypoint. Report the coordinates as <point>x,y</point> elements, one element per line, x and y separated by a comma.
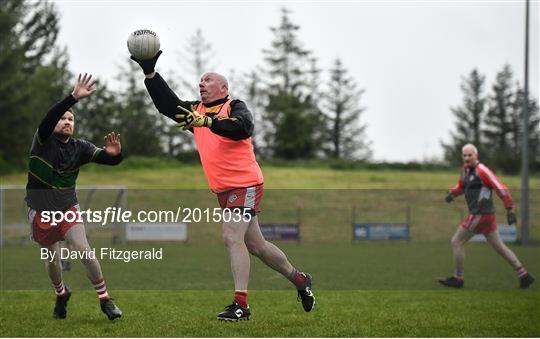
<point>34,74</point>
<point>196,57</point>
<point>497,130</point>
<point>516,127</point>
<point>347,138</point>
<point>294,126</point>
<point>469,117</point>
<point>50,82</point>
<point>294,122</point>
<point>287,59</point>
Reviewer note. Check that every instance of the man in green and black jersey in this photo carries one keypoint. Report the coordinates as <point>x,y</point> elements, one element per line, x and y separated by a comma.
<point>55,158</point>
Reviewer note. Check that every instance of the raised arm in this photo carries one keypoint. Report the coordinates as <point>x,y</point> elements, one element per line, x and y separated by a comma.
<point>165,100</point>
<point>83,88</point>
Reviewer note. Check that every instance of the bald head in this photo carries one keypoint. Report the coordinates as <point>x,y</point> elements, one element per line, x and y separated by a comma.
<point>213,86</point>
<point>470,155</point>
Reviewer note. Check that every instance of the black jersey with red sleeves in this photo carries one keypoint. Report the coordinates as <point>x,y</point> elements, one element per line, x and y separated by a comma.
<point>477,183</point>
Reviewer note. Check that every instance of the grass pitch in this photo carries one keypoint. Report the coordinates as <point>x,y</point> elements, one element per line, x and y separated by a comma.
<point>362,290</point>
<point>277,314</point>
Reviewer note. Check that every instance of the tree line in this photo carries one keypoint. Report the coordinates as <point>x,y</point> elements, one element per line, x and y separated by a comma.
<point>300,111</point>
<point>294,118</point>
<point>493,121</point>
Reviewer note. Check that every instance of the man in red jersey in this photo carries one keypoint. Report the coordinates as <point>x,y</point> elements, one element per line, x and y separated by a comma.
<point>222,129</point>
<point>477,182</point>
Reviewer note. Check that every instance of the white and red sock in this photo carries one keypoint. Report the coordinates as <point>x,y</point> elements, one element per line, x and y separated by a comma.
<point>240,297</point>
<point>521,271</point>
<point>60,289</point>
<point>101,289</point>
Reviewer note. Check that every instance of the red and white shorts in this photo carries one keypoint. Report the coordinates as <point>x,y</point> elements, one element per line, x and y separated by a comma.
<point>245,198</point>
<point>46,234</point>
<point>480,223</point>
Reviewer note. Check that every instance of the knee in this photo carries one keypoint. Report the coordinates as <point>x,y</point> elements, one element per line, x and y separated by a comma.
<point>456,243</point>
<point>230,238</point>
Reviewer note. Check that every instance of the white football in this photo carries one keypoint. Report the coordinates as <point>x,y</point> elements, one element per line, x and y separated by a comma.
<point>143,44</point>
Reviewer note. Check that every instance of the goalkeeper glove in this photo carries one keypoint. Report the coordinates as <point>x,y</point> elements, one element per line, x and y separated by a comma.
<point>511,217</point>
<point>192,119</point>
<point>449,197</point>
<point>148,65</point>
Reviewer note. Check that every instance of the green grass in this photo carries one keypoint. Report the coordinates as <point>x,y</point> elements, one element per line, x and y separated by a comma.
<point>277,314</point>
<point>396,265</point>
<point>363,290</point>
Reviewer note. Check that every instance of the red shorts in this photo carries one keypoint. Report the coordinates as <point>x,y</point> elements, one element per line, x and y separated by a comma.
<point>480,223</point>
<point>244,198</point>
<point>46,234</point>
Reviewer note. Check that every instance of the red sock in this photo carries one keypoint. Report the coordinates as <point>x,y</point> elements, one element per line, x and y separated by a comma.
<point>298,279</point>
<point>240,297</point>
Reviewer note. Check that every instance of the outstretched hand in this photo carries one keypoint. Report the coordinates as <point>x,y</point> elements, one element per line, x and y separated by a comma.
<point>112,144</point>
<point>83,86</point>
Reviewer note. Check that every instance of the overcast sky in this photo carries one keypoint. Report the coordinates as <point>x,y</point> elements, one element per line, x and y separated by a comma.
<point>409,56</point>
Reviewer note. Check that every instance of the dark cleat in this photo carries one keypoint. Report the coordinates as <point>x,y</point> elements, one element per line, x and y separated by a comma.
<point>452,282</point>
<point>305,294</point>
<point>234,312</point>
<point>526,281</point>
<point>60,311</point>
<point>110,309</point>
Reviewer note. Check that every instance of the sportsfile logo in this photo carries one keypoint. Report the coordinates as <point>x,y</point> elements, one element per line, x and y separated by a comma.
<point>120,215</point>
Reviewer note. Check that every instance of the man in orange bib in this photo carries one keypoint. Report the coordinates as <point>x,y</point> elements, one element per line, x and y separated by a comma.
<point>222,129</point>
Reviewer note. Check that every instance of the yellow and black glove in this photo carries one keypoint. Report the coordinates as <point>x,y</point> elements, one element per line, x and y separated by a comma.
<point>191,119</point>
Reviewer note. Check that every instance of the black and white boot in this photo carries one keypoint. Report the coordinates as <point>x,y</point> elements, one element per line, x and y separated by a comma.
<point>234,312</point>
